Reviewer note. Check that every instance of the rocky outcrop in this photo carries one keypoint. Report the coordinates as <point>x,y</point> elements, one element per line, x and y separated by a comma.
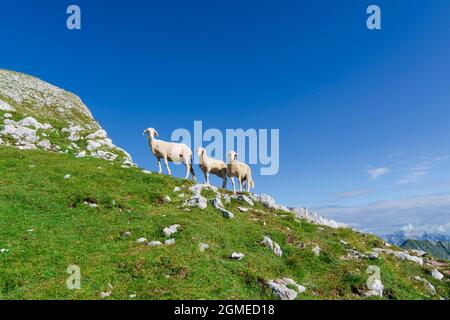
<point>301,213</point>
<point>402,255</point>
<point>313,217</point>
<point>272,246</point>
<point>37,115</point>
<point>285,288</point>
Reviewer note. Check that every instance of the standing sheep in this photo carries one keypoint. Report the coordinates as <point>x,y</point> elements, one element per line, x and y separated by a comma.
<point>170,151</point>
<point>239,170</point>
<point>209,165</point>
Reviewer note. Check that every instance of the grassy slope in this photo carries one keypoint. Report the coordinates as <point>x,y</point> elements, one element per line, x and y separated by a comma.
<point>34,195</point>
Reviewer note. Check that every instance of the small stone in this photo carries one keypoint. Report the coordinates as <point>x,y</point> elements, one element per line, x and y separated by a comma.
<point>226,198</point>
<point>272,246</point>
<point>241,209</point>
<point>106,294</point>
<point>227,214</point>
<point>237,256</point>
<point>169,242</point>
<point>292,283</point>
<point>316,251</point>
<point>67,176</point>
<point>91,204</point>
<point>197,201</point>
<point>243,198</point>
<point>154,243</point>
<point>203,246</point>
<point>437,275</point>
<point>167,199</point>
<point>3,250</point>
<point>176,189</point>
<point>127,234</point>
<point>146,172</point>
<point>81,154</point>
<point>286,288</point>
<point>217,203</point>
<point>171,230</point>
<point>343,242</point>
<point>141,240</point>
<point>373,255</point>
<point>132,296</point>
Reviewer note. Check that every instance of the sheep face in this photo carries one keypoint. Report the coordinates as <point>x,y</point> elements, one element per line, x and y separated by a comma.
<point>232,156</point>
<point>200,151</point>
<point>150,132</point>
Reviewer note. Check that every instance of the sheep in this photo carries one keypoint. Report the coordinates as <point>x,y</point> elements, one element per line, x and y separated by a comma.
<point>170,151</point>
<point>209,165</point>
<point>239,170</point>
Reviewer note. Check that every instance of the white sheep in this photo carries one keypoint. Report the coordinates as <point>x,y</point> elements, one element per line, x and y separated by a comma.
<point>170,151</point>
<point>239,170</point>
<point>209,165</point>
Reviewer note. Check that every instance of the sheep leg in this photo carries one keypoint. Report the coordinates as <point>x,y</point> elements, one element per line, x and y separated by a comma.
<point>240,184</point>
<point>224,184</point>
<point>166,162</point>
<point>187,171</point>
<point>191,169</point>
<point>159,166</point>
<point>234,185</point>
<point>207,178</point>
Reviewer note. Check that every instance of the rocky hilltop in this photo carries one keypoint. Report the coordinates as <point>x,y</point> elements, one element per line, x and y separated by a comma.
<point>37,115</point>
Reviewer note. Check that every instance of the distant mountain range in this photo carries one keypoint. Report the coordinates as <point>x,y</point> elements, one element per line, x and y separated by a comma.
<point>437,246</point>
<point>400,237</point>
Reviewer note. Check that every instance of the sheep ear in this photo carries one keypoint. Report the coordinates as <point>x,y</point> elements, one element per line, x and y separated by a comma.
<point>235,156</point>
<point>156,133</point>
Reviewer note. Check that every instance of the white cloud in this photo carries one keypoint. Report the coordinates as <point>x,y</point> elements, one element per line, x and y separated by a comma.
<point>354,193</point>
<point>389,216</point>
<point>394,155</point>
<point>419,170</point>
<point>375,173</point>
<point>412,177</point>
<point>413,229</point>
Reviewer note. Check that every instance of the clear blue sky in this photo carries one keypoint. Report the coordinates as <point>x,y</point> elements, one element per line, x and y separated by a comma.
<point>346,100</point>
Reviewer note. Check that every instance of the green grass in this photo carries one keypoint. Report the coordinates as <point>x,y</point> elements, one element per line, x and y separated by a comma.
<point>35,196</point>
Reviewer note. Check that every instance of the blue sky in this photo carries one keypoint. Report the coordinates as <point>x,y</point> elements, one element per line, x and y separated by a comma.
<point>364,115</point>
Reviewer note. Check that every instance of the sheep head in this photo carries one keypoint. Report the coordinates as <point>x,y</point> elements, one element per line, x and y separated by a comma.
<point>232,156</point>
<point>200,151</point>
<point>150,132</point>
